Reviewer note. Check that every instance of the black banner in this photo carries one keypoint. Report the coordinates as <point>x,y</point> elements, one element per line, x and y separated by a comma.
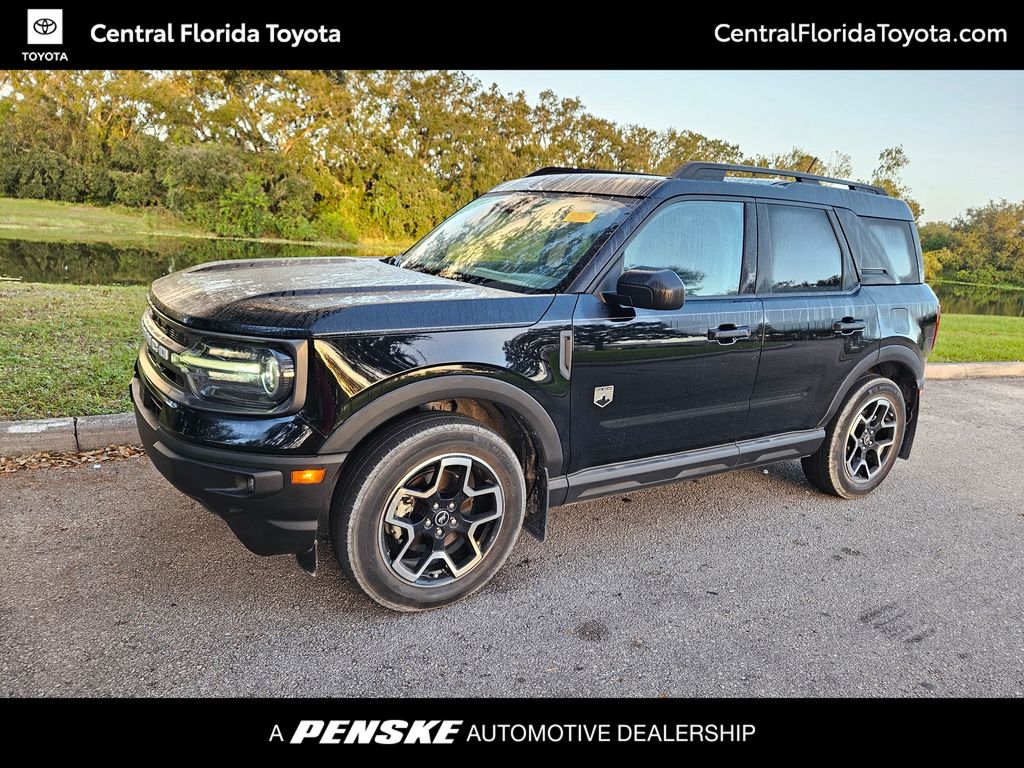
<point>437,727</point>
<point>307,36</point>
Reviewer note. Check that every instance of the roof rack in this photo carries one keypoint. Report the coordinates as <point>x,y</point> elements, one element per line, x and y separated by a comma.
<point>550,170</point>
<point>717,172</point>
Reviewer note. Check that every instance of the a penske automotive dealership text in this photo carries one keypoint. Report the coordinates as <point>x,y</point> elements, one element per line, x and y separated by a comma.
<point>457,731</point>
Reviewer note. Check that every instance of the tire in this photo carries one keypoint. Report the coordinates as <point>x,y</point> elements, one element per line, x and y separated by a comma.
<point>384,525</point>
<point>862,440</point>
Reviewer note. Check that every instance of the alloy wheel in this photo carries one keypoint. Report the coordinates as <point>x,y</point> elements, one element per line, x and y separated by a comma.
<point>441,520</point>
<point>870,438</point>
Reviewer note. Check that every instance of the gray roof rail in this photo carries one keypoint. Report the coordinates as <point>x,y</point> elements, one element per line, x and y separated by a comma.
<point>717,172</point>
<point>550,170</point>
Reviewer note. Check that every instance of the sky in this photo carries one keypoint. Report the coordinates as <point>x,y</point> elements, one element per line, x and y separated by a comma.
<point>963,131</point>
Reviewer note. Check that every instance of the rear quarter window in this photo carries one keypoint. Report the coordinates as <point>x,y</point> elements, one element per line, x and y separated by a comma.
<point>885,249</point>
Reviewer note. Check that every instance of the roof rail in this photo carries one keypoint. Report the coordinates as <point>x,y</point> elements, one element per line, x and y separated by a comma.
<point>717,171</point>
<point>550,170</point>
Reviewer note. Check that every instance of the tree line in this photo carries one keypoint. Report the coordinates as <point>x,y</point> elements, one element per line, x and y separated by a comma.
<point>323,154</point>
<point>984,245</point>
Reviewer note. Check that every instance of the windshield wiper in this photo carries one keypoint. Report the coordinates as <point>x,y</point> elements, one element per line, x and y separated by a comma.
<point>466,277</point>
<point>441,271</point>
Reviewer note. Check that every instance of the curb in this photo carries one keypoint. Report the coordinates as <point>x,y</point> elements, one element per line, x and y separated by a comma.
<point>89,433</point>
<point>94,432</point>
<point>939,371</point>
<point>22,437</point>
<point>84,433</point>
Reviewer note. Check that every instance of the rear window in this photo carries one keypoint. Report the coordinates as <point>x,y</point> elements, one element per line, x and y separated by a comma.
<point>889,244</point>
<point>805,252</point>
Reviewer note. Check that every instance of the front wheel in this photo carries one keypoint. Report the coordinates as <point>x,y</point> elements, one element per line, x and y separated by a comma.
<point>862,440</point>
<point>429,512</point>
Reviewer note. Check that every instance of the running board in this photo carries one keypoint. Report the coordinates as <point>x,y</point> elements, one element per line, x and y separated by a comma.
<point>687,465</point>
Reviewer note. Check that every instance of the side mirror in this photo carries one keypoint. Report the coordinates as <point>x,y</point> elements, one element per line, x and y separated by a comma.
<point>651,288</point>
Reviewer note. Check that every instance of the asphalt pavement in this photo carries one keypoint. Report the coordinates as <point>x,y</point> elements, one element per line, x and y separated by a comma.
<point>750,583</point>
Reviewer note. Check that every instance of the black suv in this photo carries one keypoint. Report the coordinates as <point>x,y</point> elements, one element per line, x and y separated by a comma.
<point>566,336</point>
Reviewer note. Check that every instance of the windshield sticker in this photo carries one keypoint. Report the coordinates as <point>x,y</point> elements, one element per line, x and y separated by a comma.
<point>581,217</point>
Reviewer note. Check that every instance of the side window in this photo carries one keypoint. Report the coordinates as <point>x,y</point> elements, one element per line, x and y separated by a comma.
<point>805,252</point>
<point>701,240</point>
<point>889,244</point>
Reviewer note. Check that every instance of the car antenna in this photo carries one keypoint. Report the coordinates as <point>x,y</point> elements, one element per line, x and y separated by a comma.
<point>809,168</point>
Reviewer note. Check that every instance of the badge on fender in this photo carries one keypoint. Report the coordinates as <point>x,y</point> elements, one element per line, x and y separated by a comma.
<point>603,396</point>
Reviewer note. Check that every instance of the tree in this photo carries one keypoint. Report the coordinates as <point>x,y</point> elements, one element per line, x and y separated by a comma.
<point>333,153</point>
<point>992,235</point>
<point>933,264</point>
<point>936,235</point>
<point>984,245</point>
<point>889,176</point>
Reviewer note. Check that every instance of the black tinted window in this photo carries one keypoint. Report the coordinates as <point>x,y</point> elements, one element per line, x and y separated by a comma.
<point>805,252</point>
<point>889,244</point>
<point>700,240</point>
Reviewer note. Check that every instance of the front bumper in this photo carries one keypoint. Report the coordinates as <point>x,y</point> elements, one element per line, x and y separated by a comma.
<point>251,492</point>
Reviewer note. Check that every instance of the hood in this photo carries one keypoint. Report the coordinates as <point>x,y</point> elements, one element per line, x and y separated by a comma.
<point>304,297</point>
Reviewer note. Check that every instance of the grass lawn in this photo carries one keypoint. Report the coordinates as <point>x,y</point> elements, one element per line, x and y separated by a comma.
<point>67,350</point>
<point>979,338</point>
<point>43,220</point>
<point>48,221</point>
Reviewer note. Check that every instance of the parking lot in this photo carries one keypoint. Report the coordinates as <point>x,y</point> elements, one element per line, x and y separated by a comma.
<point>744,584</point>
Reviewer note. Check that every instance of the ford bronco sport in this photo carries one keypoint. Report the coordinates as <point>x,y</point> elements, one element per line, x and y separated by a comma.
<point>568,335</point>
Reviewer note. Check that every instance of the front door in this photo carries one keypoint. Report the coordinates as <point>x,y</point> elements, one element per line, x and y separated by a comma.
<point>647,382</point>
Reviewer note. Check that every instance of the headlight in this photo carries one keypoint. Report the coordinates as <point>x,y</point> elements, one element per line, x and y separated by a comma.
<point>237,374</point>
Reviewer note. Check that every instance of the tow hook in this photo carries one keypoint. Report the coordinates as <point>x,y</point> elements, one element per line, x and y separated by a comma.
<point>307,560</point>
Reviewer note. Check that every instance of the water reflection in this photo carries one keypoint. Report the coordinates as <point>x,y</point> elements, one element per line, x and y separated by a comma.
<point>960,299</point>
<point>106,264</point>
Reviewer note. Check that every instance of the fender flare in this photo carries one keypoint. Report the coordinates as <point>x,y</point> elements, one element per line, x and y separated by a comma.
<point>890,353</point>
<point>447,387</point>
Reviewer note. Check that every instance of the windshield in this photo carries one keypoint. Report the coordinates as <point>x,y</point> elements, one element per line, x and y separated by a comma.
<point>528,242</point>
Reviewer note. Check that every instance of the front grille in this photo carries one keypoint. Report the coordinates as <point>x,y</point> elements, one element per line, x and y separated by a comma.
<point>163,340</point>
<point>172,331</point>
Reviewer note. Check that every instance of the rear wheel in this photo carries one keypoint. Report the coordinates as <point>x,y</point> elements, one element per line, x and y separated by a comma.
<point>429,512</point>
<point>862,440</point>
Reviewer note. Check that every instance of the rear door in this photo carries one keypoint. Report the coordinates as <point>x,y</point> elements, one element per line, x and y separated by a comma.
<point>819,324</point>
<point>647,382</point>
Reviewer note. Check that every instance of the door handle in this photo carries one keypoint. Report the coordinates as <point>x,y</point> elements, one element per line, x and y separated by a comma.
<point>728,333</point>
<point>848,325</point>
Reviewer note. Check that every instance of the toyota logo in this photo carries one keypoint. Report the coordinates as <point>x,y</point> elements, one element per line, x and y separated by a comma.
<point>44,26</point>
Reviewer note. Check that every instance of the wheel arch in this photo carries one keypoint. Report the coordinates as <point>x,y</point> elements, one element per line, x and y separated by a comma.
<point>507,409</point>
<point>410,397</point>
<point>903,365</point>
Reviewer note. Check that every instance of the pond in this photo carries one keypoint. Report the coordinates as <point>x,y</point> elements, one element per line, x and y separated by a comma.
<point>963,299</point>
<point>106,264</point>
